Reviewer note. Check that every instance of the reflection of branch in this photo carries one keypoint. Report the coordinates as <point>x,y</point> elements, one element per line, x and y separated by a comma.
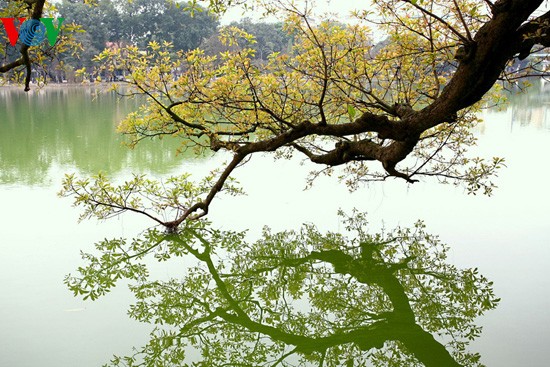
<point>286,355</point>
<point>397,325</point>
<point>359,293</point>
<point>206,258</point>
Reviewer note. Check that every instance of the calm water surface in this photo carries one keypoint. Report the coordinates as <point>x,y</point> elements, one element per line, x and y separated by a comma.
<point>44,135</point>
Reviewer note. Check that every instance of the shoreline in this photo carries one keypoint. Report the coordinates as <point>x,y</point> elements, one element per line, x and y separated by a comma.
<point>35,87</point>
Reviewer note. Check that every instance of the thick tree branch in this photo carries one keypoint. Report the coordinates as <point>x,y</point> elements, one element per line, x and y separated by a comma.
<point>532,33</point>
<point>12,65</point>
<point>493,46</point>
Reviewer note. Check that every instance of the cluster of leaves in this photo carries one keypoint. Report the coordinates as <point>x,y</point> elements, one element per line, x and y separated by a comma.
<point>294,298</point>
<point>158,200</point>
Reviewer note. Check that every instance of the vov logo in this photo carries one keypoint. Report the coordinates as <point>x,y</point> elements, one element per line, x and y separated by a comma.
<point>32,32</point>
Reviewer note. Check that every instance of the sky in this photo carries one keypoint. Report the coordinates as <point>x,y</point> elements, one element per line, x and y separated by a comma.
<point>341,8</point>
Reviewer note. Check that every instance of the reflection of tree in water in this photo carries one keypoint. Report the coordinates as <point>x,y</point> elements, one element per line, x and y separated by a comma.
<point>298,298</point>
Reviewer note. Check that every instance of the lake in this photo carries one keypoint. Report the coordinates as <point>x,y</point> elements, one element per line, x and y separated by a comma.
<point>45,134</point>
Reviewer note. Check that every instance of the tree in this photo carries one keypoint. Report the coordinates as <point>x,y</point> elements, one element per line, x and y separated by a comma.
<point>101,25</point>
<point>269,37</point>
<point>90,24</point>
<point>409,106</point>
<point>143,21</point>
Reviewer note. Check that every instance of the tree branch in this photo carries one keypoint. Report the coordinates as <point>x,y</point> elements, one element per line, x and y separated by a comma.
<point>37,10</point>
<point>439,19</point>
<point>537,31</point>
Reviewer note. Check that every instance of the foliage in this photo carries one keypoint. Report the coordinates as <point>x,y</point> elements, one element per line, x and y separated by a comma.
<point>331,76</point>
<point>295,298</point>
<point>99,23</point>
<point>270,37</point>
<point>103,199</point>
<point>135,23</point>
<point>143,21</point>
<point>403,108</point>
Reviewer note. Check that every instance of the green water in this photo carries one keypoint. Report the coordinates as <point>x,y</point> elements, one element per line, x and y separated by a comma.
<point>71,127</point>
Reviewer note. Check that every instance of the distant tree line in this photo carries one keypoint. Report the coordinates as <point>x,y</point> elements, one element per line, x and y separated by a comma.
<point>116,23</point>
<point>270,38</point>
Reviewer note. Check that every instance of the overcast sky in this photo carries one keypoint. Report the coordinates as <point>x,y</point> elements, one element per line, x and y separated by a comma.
<point>340,7</point>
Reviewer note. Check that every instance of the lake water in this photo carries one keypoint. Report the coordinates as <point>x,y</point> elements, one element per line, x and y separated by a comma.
<point>44,135</point>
